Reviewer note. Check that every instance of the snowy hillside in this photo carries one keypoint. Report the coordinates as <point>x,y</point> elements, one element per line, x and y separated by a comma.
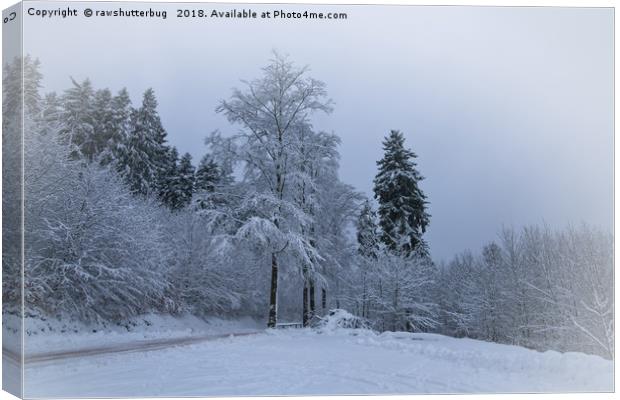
<point>299,362</point>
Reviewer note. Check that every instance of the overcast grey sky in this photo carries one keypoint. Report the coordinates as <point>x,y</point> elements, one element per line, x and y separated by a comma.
<point>510,110</point>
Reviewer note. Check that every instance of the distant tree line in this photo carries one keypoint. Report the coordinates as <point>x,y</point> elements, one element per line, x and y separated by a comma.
<point>537,288</point>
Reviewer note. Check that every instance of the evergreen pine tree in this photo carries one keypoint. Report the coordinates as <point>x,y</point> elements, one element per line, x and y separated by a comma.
<point>21,107</point>
<point>120,120</point>
<point>31,83</point>
<point>169,188</point>
<point>21,81</point>
<point>367,232</point>
<point>102,119</point>
<point>51,113</point>
<point>185,182</point>
<point>78,117</point>
<point>143,158</point>
<point>208,174</point>
<point>402,204</point>
<point>211,181</point>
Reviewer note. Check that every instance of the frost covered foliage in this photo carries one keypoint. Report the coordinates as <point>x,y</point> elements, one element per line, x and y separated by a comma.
<point>536,288</point>
<point>92,249</point>
<point>19,74</point>
<point>403,295</point>
<point>97,249</point>
<point>393,292</point>
<point>286,165</point>
<point>203,282</point>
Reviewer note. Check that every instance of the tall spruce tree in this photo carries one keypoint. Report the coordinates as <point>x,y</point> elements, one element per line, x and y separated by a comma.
<point>185,182</point>
<point>102,120</point>
<point>52,107</point>
<point>21,107</point>
<point>177,180</point>
<point>79,126</point>
<point>402,204</point>
<point>208,174</point>
<point>211,183</point>
<point>169,180</point>
<point>120,120</point>
<point>144,156</point>
<point>51,113</point>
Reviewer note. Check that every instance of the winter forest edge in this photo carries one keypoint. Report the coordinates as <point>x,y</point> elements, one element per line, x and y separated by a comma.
<point>118,224</point>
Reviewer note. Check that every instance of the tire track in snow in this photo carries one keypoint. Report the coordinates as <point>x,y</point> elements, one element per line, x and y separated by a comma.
<point>139,346</point>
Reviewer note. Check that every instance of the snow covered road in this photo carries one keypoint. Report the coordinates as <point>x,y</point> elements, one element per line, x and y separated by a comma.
<point>129,347</point>
<point>300,362</point>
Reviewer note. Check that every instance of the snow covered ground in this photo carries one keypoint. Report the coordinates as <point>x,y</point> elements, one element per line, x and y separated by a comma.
<point>301,362</point>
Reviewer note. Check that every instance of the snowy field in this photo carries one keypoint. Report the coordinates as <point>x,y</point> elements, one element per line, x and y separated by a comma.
<point>302,362</point>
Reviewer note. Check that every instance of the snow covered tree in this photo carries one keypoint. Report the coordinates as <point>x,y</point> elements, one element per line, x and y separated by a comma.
<point>92,252</point>
<point>211,184</point>
<point>315,156</point>
<point>204,284</point>
<point>177,180</point>
<point>78,120</point>
<point>492,285</point>
<point>208,174</point>
<point>534,288</point>
<point>168,178</point>
<point>104,128</point>
<point>51,112</point>
<point>460,297</point>
<point>402,294</point>
<point>185,183</point>
<point>368,252</point>
<point>21,81</point>
<point>402,203</point>
<point>142,158</point>
<point>119,127</point>
<point>271,112</point>
<point>95,254</point>
<point>338,204</point>
<point>367,232</point>
<point>21,112</point>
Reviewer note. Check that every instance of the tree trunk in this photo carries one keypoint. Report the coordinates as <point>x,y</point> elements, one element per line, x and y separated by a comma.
<point>381,299</point>
<point>311,295</point>
<point>273,298</point>
<point>364,297</point>
<point>305,316</point>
